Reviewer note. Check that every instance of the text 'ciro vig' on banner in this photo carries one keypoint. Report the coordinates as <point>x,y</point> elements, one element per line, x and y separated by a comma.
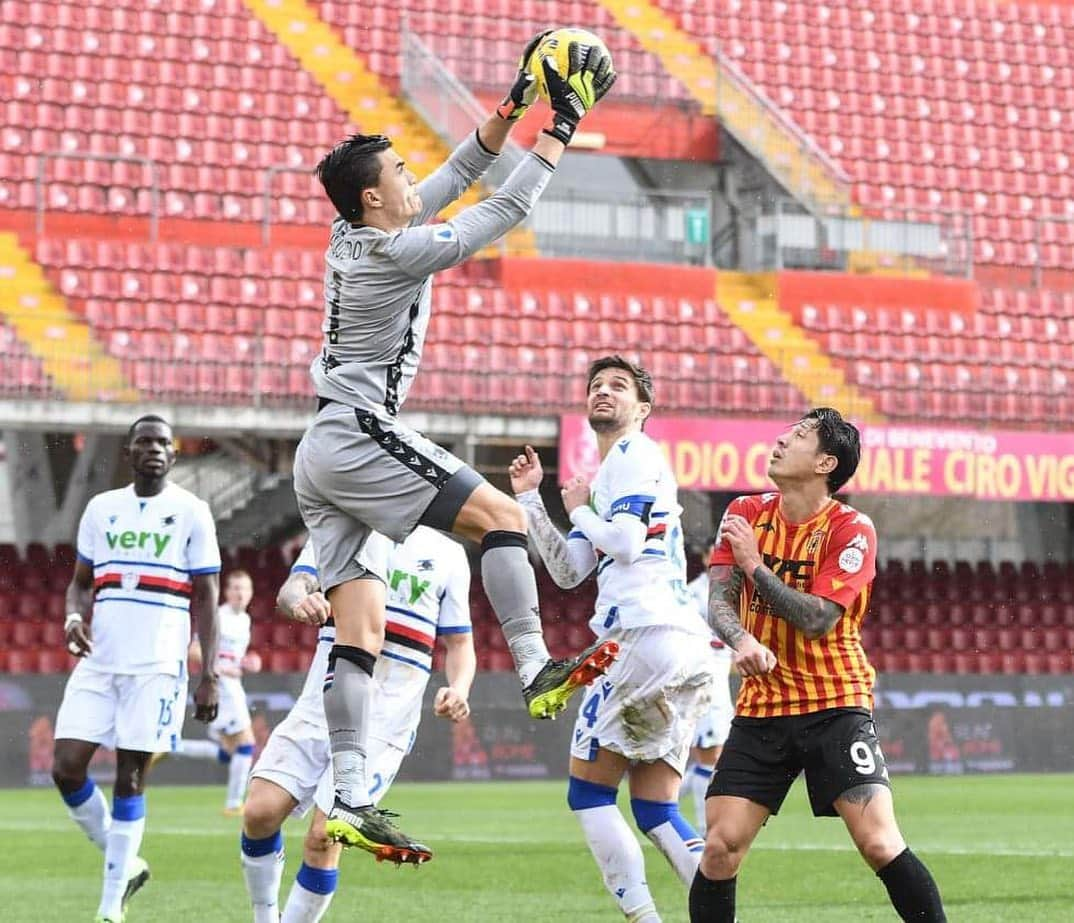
<point>732,455</point>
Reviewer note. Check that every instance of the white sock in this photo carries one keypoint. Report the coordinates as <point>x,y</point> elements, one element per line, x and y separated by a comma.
<point>199,749</point>
<point>238,772</point>
<point>614,847</point>
<point>662,823</point>
<point>262,867</point>
<point>310,895</point>
<point>124,841</point>
<point>696,783</point>
<point>89,809</point>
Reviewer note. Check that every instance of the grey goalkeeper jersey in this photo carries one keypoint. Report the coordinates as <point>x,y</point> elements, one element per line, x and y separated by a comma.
<point>378,286</point>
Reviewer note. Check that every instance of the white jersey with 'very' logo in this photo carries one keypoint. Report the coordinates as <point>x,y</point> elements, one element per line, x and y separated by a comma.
<point>635,479</point>
<point>144,552</point>
<point>428,595</point>
<point>234,637</point>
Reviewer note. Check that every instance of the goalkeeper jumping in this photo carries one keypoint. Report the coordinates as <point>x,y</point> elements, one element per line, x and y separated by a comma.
<point>359,470</point>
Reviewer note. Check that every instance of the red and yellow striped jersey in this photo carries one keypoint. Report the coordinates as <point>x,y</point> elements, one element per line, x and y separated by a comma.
<point>831,555</point>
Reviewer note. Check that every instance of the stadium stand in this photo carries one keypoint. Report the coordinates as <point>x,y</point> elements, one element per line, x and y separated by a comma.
<point>955,107</point>
<point>956,617</point>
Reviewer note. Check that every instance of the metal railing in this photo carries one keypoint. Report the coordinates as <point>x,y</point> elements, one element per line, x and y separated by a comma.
<point>446,104</point>
<point>793,157</point>
<point>657,225</point>
<point>786,237</point>
<point>154,185</point>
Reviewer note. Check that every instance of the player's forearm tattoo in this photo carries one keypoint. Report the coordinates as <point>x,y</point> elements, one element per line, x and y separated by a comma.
<point>811,615</point>
<point>551,543</point>
<point>725,589</point>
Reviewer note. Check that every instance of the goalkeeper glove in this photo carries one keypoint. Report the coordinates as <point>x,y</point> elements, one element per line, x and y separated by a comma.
<point>524,91</point>
<point>589,76</point>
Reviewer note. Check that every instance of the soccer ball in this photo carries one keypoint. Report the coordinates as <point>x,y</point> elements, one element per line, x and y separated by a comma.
<point>556,47</point>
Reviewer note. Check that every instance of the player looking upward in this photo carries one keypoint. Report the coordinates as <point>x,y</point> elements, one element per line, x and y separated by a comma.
<point>147,562</point>
<point>359,469</point>
<point>428,598</point>
<point>790,579</point>
<point>638,721</point>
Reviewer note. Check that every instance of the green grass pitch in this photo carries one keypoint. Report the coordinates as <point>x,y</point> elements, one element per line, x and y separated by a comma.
<point>1001,848</point>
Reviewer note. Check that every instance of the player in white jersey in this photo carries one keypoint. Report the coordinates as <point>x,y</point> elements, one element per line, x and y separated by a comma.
<point>231,735</point>
<point>147,562</point>
<point>638,721</point>
<point>714,726</point>
<point>428,598</point>
<point>359,469</point>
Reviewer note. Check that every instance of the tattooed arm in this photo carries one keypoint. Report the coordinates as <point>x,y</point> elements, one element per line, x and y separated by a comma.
<point>569,559</point>
<point>725,587</point>
<point>751,658</point>
<point>811,615</point>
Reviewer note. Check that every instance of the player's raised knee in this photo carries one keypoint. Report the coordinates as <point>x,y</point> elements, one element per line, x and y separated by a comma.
<point>260,818</point>
<point>489,510</point>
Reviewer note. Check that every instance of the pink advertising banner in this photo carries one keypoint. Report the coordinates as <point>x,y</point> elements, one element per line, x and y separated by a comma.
<point>732,455</point>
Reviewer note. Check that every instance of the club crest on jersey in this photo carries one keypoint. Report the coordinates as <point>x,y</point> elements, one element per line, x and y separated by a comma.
<point>813,545</point>
<point>129,580</point>
<point>425,564</point>
<point>168,520</point>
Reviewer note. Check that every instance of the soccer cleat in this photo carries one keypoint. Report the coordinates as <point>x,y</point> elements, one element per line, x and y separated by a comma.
<point>100,919</point>
<point>137,876</point>
<point>371,829</point>
<point>558,680</point>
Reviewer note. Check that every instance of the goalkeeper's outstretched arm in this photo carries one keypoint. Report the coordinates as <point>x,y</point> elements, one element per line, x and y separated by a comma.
<point>421,251</point>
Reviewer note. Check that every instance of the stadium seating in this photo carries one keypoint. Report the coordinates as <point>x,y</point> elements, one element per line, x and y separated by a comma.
<point>231,325</point>
<point>1011,363</point>
<point>960,106</point>
<point>480,43</point>
<point>207,93</point>
<point>958,617</point>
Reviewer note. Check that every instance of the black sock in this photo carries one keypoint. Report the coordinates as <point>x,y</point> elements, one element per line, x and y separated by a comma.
<point>912,889</point>
<point>712,901</point>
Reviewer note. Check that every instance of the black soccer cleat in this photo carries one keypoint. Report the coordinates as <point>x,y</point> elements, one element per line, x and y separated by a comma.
<point>558,680</point>
<point>371,829</point>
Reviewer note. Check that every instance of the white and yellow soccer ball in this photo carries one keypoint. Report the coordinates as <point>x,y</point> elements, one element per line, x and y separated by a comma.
<point>556,47</point>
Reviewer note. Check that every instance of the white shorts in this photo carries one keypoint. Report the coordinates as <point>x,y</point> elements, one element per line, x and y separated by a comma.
<point>123,711</point>
<point>298,759</point>
<point>648,704</point>
<point>233,715</point>
<point>715,724</point>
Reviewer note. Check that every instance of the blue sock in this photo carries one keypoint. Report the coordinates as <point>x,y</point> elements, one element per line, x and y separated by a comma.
<point>255,848</point>
<point>222,756</point>
<point>662,823</point>
<point>130,807</point>
<point>319,881</point>
<point>81,796</point>
<point>582,794</point>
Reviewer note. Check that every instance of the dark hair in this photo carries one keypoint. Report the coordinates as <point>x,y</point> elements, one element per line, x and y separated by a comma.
<point>145,418</point>
<point>643,381</point>
<point>838,438</point>
<point>350,168</point>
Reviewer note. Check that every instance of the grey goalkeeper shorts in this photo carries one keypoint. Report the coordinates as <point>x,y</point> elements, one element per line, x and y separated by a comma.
<point>359,473</point>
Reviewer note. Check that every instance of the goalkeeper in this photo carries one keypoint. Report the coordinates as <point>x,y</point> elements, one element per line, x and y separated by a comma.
<point>359,470</point>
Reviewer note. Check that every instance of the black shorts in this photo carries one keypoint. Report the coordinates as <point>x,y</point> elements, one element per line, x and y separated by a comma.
<point>838,749</point>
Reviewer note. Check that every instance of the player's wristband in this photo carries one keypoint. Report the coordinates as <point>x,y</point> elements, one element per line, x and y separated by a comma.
<point>73,618</point>
<point>561,128</point>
